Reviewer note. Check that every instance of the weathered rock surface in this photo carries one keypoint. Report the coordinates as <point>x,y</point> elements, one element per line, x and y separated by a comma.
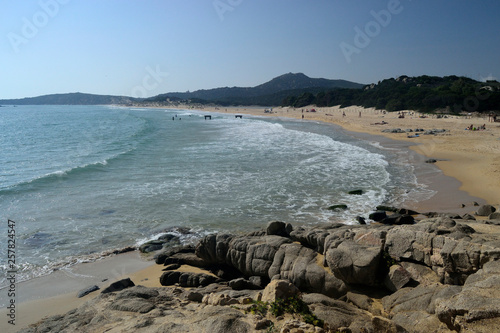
<point>303,267</point>
<point>485,210</point>
<point>437,275</point>
<point>494,216</point>
<point>397,278</point>
<point>279,289</point>
<point>162,255</point>
<point>186,279</point>
<point>354,263</point>
<point>478,299</point>
<point>241,284</point>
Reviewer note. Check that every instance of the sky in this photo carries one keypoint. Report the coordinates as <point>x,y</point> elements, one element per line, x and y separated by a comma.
<point>142,48</point>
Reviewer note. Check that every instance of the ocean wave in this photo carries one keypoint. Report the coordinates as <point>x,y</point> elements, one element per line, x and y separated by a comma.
<point>380,146</point>
<point>29,271</point>
<point>224,175</point>
<point>48,178</point>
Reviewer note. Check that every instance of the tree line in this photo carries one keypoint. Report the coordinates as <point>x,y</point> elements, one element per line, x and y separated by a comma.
<point>451,94</point>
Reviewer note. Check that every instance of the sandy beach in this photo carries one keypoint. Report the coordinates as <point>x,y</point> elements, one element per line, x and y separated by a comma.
<point>468,161</point>
<point>57,293</point>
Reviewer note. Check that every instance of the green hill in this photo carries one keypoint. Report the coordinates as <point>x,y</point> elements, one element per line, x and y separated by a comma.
<point>70,99</point>
<point>268,94</point>
<point>451,94</point>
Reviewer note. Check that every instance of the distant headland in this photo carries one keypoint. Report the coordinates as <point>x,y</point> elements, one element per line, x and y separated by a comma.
<point>449,94</point>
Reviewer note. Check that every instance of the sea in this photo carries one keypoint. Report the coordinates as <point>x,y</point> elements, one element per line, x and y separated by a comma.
<point>77,182</point>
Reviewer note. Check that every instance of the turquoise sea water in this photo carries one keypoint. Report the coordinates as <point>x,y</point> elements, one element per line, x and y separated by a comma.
<point>80,180</point>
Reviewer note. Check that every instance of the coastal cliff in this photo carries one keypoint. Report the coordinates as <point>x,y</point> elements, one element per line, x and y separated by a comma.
<point>439,273</point>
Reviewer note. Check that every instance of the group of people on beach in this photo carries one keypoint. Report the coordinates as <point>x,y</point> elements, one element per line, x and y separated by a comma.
<point>472,128</point>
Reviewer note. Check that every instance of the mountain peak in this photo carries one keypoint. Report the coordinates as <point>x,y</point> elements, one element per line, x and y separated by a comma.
<point>292,81</point>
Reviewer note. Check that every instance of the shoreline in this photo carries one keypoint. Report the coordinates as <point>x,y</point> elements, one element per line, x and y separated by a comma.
<point>59,289</point>
<point>432,177</point>
<point>467,156</point>
<point>461,155</point>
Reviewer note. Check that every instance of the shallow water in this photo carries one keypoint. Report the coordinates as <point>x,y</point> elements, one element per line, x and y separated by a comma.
<point>80,180</point>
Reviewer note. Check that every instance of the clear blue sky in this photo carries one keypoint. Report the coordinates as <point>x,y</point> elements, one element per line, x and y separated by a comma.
<point>127,47</point>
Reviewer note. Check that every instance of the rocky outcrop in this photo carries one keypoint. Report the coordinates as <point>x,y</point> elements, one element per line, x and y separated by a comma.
<point>452,250</point>
<point>438,274</point>
<point>477,300</point>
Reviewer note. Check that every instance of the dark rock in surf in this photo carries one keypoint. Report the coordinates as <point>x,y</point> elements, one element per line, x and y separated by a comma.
<point>378,216</point>
<point>361,220</point>
<point>356,192</point>
<point>151,246</point>
<point>338,207</point>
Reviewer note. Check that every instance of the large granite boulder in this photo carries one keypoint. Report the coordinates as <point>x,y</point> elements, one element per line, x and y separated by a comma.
<point>354,263</point>
<point>355,256</point>
<point>279,228</point>
<point>452,250</point>
<point>213,248</point>
<point>304,268</point>
<point>251,255</point>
